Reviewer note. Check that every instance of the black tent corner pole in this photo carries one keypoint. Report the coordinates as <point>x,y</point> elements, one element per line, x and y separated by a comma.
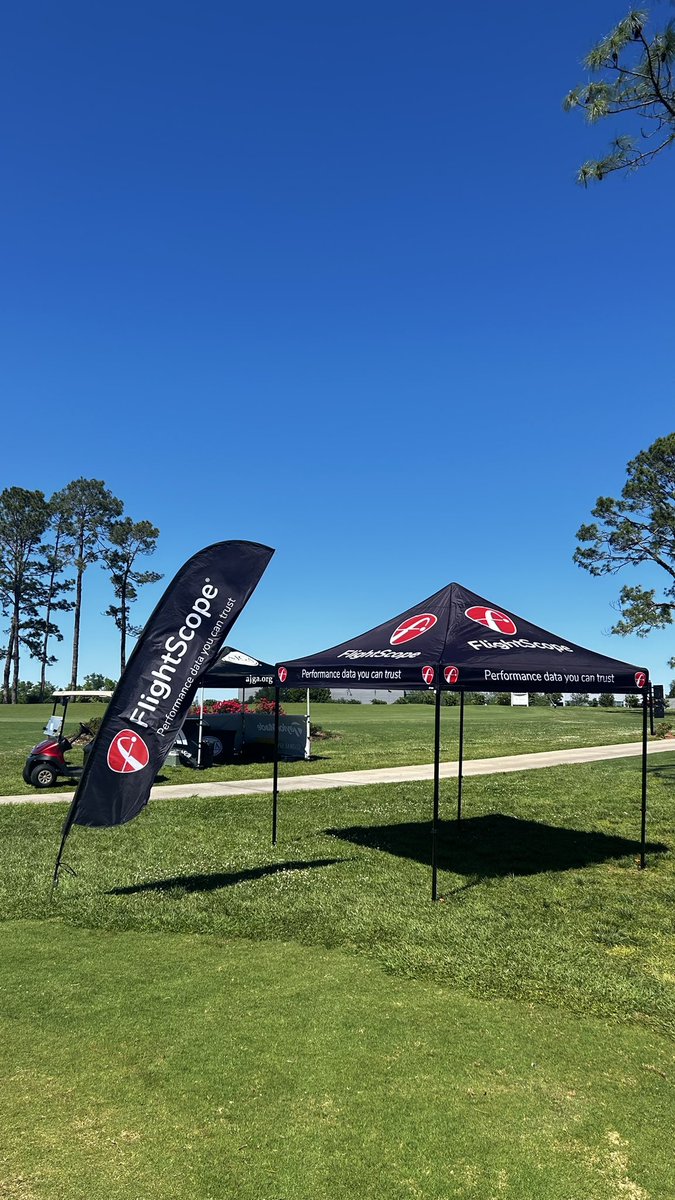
<point>275,781</point>
<point>651,710</point>
<point>437,778</point>
<point>643,827</point>
<point>460,761</point>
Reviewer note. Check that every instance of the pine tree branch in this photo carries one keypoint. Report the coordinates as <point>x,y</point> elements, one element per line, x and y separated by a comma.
<point>657,88</point>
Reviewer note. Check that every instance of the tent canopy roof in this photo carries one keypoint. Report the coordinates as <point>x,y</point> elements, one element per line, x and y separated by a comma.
<point>234,669</point>
<point>458,640</point>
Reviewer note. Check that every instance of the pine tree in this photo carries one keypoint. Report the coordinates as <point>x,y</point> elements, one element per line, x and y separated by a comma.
<point>638,528</point>
<point>88,508</point>
<point>127,540</point>
<point>24,516</point>
<point>57,554</point>
<point>633,75</point>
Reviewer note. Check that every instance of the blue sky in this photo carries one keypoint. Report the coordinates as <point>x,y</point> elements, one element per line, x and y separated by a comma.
<point>320,276</point>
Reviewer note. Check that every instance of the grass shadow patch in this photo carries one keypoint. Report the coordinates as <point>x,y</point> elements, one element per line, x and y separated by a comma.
<point>216,880</point>
<point>496,845</point>
<point>664,771</point>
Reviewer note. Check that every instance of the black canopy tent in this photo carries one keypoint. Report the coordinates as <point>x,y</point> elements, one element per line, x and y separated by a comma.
<point>457,641</point>
<point>234,669</point>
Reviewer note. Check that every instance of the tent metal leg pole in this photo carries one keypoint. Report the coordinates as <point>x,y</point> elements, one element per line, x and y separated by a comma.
<point>460,763</point>
<point>201,728</point>
<point>643,827</point>
<point>437,778</point>
<point>275,781</point>
<point>651,710</point>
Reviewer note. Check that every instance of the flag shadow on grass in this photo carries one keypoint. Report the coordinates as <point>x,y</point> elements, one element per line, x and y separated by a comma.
<point>211,883</point>
<point>495,845</point>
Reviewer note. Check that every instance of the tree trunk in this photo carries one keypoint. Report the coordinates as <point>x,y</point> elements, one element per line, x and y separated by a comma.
<point>45,641</point>
<point>15,672</point>
<point>78,607</point>
<point>6,694</point>
<point>14,643</point>
<point>123,625</point>
<point>48,617</point>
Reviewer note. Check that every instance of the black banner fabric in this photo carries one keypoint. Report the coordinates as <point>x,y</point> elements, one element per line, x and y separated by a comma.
<point>179,644</point>
<point>457,640</point>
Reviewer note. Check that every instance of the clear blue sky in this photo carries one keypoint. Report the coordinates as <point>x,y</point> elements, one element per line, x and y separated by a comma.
<point>320,276</point>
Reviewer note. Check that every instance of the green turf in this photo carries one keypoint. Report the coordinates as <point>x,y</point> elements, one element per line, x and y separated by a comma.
<point>199,1015</point>
<point>165,1067</point>
<point>541,872</point>
<point>364,737</point>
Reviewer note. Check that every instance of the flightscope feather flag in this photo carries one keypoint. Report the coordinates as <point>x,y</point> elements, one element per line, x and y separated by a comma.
<point>179,644</point>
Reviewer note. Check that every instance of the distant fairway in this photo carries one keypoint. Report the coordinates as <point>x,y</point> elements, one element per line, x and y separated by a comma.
<point>362,736</point>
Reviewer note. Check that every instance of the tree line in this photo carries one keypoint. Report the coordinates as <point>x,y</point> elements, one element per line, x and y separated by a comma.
<point>46,546</point>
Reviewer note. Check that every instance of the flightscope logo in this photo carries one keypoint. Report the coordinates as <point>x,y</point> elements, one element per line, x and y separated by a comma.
<point>127,753</point>
<point>640,678</point>
<point>283,674</point>
<point>491,618</point>
<point>412,627</point>
<point>451,674</point>
<point>428,674</point>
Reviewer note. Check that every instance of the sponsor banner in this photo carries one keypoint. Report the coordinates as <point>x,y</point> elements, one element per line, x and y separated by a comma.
<point>179,644</point>
<point>294,739</point>
<point>359,674</point>
<point>512,676</point>
<point>254,728</point>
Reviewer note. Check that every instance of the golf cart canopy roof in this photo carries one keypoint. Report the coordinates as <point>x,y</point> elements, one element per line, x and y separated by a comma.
<point>68,695</point>
<point>456,640</point>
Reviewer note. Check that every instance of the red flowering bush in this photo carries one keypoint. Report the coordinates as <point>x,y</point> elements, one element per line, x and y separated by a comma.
<point>267,706</point>
<point>219,706</point>
<point>234,706</point>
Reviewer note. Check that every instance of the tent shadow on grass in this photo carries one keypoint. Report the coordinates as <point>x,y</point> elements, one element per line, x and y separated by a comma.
<point>665,771</point>
<point>495,845</point>
<point>211,883</point>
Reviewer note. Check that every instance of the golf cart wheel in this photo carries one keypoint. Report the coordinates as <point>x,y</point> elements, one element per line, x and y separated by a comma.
<point>43,776</point>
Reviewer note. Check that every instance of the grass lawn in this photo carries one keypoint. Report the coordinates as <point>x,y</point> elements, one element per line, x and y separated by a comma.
<point>198,1015</point>
<point>363,736</point>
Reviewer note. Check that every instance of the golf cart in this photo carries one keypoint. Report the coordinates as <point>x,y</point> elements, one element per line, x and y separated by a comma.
<point>47,762</point>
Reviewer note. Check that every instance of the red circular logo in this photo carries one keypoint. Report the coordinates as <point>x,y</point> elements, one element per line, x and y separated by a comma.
<point>491,618</point>
<point>283,674</point>
<point>451,674</point>
<point>640,678</point>
<point>127,753</point>
<point>412,627</point>
<point>428,674</point>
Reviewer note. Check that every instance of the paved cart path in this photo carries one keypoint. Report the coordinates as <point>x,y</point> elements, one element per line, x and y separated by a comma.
<point>332,779</point>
